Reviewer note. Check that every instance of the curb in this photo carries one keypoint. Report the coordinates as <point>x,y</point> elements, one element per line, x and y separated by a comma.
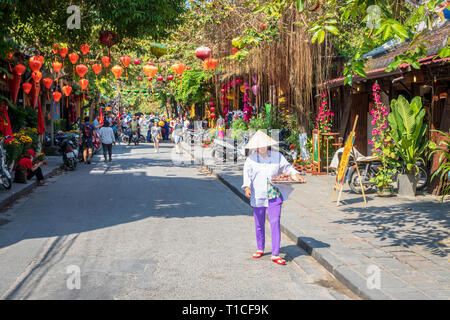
<point>349,278</point>
<point>28,189</point>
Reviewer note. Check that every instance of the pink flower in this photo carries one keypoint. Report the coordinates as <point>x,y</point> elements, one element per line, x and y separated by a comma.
<point>371,142</point>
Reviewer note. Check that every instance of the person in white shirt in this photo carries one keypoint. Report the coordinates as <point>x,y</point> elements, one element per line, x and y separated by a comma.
<point>106,134</point>
<point>259,169</point>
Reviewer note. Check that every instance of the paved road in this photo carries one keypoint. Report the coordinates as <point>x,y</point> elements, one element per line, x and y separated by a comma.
<point>143,227</point>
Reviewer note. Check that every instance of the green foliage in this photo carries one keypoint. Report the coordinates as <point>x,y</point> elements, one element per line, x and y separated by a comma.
<point>444,160</point>
<point>238,127</point>
<point>408,131</point>
<point>192,88</point>
<point>60,125</point>
<point>383,178</point>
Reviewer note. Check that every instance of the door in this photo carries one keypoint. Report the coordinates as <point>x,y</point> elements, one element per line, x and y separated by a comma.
<point>360,107</point>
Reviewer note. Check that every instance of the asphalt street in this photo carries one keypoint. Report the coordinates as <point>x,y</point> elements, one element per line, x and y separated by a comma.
<point>144,227</point>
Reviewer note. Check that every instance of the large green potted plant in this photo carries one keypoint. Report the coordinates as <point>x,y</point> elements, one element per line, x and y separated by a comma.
<point>443,149</point>
<point>408,131</point>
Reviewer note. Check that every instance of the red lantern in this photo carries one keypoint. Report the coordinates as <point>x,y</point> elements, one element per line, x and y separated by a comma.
<point>47,82</point>
<point>63,52</point>
<point>203,53</point>
<point>81,70</point>
<point>150,63</point>
<point>234,50</point>
<point>160,78</point>
<point>55,49</point>
<point>223,91</point>
<point>188,68</point>
<point>170,77</point>
<point>97,68</point>
<point>117,71</point>
<point>179,68</point>
<point>212,109</point>
<point>73,57</point>
<point>126,60</point>
<point>19,69</point>
<point>37,76</point>
<point>38,58</point>
<point>106,61</point>
<point>212,104</point>
<point>150,71</point>
<point>84,83</point>
<point>57,96</point>
<point>57,66</point>
<point>85,49</point>
<point>213,115</point>
<point>137,61</point>
<point>149,79</point>
<point>35,65</point>
<point>140,79</point>
<point>67,90</point>
<point>27,87</point>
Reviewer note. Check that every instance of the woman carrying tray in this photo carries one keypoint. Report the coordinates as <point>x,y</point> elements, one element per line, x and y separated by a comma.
<point>259,169</point>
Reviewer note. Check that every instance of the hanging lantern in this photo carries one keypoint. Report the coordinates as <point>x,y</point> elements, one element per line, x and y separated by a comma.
<point>57,66</point>
<point>117,71</point>
<point>97,68</point>
<point>126,60</point>
<point>140,79</point>
<point>170,78</point>
<point>83,83</point>
<point>160,78</point>
<point>106,61</point>
<point>179,68</point>
<point>137,62</point>
<point>73,57</point>
<point>158,49</point>
<point>47,83</point>
<point>85,49</point>
<point>38,58</point>
<point>234,50</point>
<point>55,49</point>
<point>210,63</point>
<point>212,103</point>
<point>81,70</point>
<point>255,89</point>
<point>37,76</point>
<point>67,90</point>
<point>56,96</point>
<point>63,52</point>
<point>35,65</point>
<point>19,69</point>
<point>213,115</point>
<point>212,109</point>
<point>203,53</point>
<point>150,71</point>
<point>27,87</point>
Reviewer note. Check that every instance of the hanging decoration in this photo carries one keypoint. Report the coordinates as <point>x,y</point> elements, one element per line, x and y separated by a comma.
<point>35,64</point>
<point>137,62</point>
<point>48,83</point>
<point>106,61</point>
<point>67,90</point>
<point>19,69</point>
<point>55,49</point>
<point>97,69</point>
<point>117,71</point>
<point>126,60</point>
<point>83,84</point>
<point>85,49</point>
<point>73,57</point>
<point>14,87</point>
<point>57,67</point>
<point>158,49</point>
<point>203,53</point>
<point>27,87</point>
<point>81,70</point>
<point>57,96</point>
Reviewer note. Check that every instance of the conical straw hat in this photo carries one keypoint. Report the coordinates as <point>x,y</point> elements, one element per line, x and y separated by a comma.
<point>260,140</point>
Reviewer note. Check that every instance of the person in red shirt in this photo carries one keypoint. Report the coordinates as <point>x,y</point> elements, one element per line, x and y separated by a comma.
<point>32,169</point>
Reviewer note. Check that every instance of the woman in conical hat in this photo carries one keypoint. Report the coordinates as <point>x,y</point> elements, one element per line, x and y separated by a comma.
<point>260,167</point>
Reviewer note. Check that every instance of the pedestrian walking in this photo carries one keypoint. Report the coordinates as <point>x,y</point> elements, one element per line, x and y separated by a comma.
<point>260,168</point>
<point>134,125</point>
<point>107,137</point>
<point>156,135</point>
<point>177,135</point>
<point>86,140</point>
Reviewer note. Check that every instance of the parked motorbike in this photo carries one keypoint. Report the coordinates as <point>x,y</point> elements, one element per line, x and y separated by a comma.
<point>369,169</point>
<point>5,176</point>
<point>69,153</point>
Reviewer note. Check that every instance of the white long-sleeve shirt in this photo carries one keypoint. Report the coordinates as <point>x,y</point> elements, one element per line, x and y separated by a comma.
<point>259,170</point>
<point>106,135</point>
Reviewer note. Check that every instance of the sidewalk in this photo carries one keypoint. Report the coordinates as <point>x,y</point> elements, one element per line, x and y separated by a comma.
<point>20,189</point>
<point>406,242</point>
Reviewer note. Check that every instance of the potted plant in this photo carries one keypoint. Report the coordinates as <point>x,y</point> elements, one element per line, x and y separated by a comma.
<point>443,148</point>
<point>383,180</point>
<point>408,132</point>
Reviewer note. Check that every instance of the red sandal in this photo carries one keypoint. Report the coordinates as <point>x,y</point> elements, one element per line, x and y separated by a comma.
<point>258,255</point>
<point>279,261</point>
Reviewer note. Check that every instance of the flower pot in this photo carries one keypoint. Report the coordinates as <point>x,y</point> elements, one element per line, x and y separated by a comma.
<point>385,191</point>
<point>407,184</point>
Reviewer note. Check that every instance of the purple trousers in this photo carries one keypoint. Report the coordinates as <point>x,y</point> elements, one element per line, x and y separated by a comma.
<point>274,213</point>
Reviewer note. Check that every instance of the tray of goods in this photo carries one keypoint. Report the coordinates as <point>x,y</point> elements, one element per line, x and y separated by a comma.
<point>285,178</point>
